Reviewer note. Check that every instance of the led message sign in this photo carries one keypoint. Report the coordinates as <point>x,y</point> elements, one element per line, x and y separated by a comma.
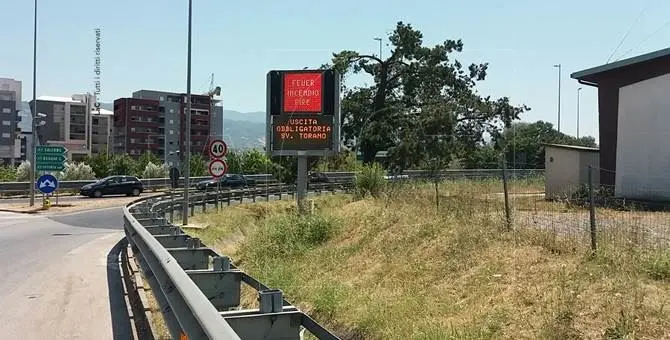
<point>302,92</point>
<point>303,113</point>
<point>302,132</point>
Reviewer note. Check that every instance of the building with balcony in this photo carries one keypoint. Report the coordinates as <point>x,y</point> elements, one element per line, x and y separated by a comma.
<point>154,121</point>
<point>10,104</point>
<point>69,123</point>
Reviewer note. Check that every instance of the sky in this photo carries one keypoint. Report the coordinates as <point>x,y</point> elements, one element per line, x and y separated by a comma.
<point>143,44</point>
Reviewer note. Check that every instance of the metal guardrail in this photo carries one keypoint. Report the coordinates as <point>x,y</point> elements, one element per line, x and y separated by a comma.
<point>153,183</point>
<point>198,290</point>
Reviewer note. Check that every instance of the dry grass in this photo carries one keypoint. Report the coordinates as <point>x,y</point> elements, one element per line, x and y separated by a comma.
<point>401,268</point>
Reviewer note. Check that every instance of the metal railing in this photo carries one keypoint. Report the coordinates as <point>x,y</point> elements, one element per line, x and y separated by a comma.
<point>197,289</point>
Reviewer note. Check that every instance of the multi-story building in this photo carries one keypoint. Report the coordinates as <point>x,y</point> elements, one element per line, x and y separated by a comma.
<point>154,121</point>
<point>70,123</point>
<point>10,104</point>
<point>101,131</point>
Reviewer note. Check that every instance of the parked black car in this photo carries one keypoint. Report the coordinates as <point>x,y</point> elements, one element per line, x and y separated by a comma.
<point>113,185</point>
<point>228,181</point>
<point>318,177</point>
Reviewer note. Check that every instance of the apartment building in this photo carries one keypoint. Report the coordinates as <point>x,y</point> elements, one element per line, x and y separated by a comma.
<point>70,123</point>
<point>154,121</point>
<point>101,131</point>
<point>10,104</point>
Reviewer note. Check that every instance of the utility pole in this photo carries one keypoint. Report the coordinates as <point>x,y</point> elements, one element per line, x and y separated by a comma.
<point>578,90</point>
<point>187,137</point>
<point>33,157</point>
<point>559,96</point>
<point>380,46</point>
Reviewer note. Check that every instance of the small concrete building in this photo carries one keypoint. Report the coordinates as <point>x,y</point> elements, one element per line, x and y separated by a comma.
<point>634,123</point>
<point>567,168</point>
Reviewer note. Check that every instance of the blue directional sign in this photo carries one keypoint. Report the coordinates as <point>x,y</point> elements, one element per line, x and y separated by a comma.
<point>47,184</point>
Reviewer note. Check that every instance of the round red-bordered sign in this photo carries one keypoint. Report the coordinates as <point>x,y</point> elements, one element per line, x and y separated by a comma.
<point>217,148</point>
<point>217,168</point>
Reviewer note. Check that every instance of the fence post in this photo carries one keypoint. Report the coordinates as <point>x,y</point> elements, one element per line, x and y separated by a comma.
<point>592,211</point>
<point>508,212</point>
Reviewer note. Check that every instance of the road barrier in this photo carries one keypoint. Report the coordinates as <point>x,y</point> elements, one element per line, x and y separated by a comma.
<point>198,290</point>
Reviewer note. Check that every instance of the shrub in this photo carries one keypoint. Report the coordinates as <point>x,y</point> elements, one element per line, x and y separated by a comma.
<point>76,172</point>
<point>23,172</point>
<point>370,181</point>
<point>152,170</point>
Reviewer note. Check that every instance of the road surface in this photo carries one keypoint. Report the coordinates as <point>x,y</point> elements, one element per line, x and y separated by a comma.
<point>57,274</point>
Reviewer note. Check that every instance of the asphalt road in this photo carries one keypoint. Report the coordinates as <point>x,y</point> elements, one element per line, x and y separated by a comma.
<point>61,199</point>
<point>57,275</point>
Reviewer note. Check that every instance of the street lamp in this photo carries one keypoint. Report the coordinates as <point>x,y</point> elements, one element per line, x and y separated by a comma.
<point>187,139</point>
<point>380,46</point>
<point>34,110</point>
<point>559,96</point>
<point>579,89</point>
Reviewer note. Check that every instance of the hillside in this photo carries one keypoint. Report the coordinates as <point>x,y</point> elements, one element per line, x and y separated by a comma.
<point>400,268</point>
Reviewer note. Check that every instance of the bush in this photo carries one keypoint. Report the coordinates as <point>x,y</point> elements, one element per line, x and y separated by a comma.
<point>77,171</point>
<point>291,235</point>
<point>370,181</point>
<point>152,170</point>
<point>23,172</point>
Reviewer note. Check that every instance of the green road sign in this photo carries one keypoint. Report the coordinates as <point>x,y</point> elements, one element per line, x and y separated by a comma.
<point>50,150</point>
<point>50,166</point>
<point>50,158</point>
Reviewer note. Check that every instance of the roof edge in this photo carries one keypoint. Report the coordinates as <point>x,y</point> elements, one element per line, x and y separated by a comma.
<point>572,147</point>
<point>620,63</point>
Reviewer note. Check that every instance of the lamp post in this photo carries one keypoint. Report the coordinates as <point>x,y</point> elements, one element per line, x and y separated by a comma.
<point>33,158</point>
<point>187,137</point>
<point>380,46</point>
<point>579,89</point>
<point>559,96</point>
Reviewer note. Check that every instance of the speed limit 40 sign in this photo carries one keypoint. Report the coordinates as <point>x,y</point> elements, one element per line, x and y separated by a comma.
<point>217,148</point>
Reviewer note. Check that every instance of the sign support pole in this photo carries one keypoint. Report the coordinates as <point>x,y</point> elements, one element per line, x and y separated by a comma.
<point>301,188</point>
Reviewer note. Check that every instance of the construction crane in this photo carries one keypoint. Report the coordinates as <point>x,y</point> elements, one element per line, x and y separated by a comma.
<point>213,91</point>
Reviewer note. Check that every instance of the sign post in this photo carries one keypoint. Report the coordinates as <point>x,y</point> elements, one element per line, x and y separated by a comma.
<point>303,118</point>
<point>217,165</point>
<point>50,158</point>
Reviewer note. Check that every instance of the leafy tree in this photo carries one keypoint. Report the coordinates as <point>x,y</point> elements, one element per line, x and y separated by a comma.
<point>100,163</point>
<point>423,105</point>
<point>485,156</point>
<point>342,161</point>
<point>525,141</point>
<point>198,166</point>
<point>122,164</point>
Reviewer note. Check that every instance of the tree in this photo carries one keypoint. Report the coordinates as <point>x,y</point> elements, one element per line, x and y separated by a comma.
<point>100,163</point>
<point>122,164</point>
<point>23,171</point>
<point>152,170</point>
<point>422,106</point>
<point>198,167</point>
<point>525,143</point>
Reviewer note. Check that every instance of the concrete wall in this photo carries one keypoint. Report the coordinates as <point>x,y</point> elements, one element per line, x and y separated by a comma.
<point>566,170</point>
<point>643,140</point>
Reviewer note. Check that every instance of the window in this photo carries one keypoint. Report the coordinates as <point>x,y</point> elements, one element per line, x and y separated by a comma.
<point>171,110</point>
<point>172,132</point>
<point>161,98</point>
<point>6,110</point>
<point>171,121</point>
<point>132,129</point>
<point>5,135</point>
<point>6,123</point>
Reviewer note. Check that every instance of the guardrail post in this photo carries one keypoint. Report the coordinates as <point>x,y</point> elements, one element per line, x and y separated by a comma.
<point>204,202</point>
<point>221,263</point>
<point>253,193</point>
<point>229,194</point>
<point>270,301</point>
<point>192,208</point>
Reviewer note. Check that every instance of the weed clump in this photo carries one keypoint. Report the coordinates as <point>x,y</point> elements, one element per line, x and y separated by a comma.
<point>289,235</point>
<point>370,181</point>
